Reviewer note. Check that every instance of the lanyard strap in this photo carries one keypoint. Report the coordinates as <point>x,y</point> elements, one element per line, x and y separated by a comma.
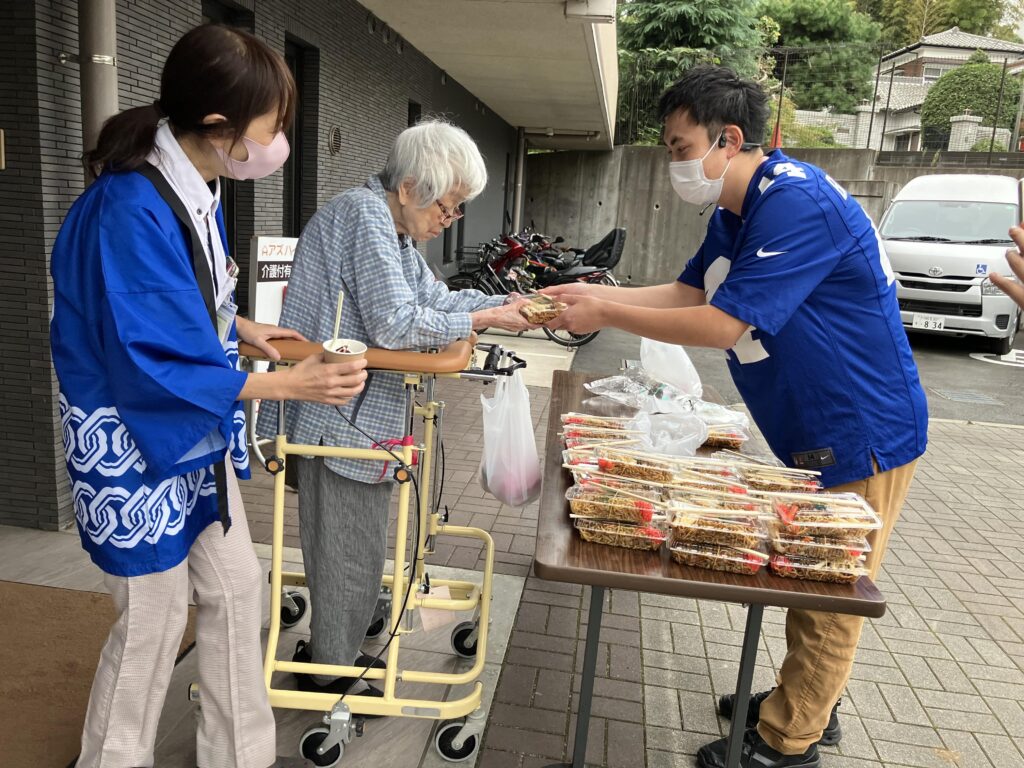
<point>204,277</point>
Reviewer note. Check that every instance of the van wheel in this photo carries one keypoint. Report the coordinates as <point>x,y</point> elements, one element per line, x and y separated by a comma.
<point>1004,345</point>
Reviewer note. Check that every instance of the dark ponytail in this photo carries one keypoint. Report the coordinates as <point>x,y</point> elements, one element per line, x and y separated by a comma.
<point>210,70</point>
<point>125,141</point>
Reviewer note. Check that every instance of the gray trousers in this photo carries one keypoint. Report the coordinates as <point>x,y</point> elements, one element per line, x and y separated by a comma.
<point>343,526</point>
<point>236,724</point>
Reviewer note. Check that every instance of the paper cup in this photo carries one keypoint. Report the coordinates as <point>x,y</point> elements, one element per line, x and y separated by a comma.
<point>333,353</point>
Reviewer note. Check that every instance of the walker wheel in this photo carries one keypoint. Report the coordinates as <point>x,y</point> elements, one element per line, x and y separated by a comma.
<point>460,640</point>
<point>290,618</point>
<point>377,628</point>
<point>310,742</point>
<point>444,738</point>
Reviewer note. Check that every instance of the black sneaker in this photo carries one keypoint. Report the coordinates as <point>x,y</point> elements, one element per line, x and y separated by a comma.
<point>303,656</point>
<point>339,686</point>
<point>832,734</point>
<point>756,754</point>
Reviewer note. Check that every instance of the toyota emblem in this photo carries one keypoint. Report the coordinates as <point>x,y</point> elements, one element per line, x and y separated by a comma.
<point>935,271</point>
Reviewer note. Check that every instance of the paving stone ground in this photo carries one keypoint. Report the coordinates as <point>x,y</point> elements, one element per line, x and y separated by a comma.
<point>939,680</point>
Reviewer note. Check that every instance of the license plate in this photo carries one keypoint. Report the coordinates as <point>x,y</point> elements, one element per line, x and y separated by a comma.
<point>929,322</point>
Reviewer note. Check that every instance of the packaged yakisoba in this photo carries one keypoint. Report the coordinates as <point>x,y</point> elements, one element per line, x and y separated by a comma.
<point>584,420</point>
<point>728,436</point>
<point>614,534</point>
<point>841,571</point>
<point>601,502</point>
<point>822,547</point>
<point>824,515</point>
<point>725,527</point>
<point>636,464</point>
<point>779,479</point>
<point>718,558</point>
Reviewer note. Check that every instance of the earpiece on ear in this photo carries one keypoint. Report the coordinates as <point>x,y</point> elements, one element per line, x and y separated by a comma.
<point>722,141</point>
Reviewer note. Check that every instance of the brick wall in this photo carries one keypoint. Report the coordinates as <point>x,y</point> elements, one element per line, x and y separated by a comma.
<point>360,83</point>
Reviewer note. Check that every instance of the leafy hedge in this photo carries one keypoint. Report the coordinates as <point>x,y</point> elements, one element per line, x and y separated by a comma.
<point>974,87</point>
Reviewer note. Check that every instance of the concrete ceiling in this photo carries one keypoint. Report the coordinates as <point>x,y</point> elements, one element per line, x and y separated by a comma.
<point>522,58</point>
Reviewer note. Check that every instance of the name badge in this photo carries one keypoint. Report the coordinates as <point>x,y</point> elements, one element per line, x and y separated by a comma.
<point>226,318</point>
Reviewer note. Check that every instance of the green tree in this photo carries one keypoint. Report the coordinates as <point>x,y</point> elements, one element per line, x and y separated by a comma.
<point>906,21</point>
<point>660,39</point>
<point>835,69</point>
<point>973,87</point>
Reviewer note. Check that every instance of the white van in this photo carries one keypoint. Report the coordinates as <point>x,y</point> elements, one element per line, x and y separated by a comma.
<point>943,235</point>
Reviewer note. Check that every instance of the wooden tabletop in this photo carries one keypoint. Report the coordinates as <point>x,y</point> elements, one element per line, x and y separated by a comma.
<point>561,555</point>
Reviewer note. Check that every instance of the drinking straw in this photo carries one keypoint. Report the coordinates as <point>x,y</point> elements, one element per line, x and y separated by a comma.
<point>337,316</point>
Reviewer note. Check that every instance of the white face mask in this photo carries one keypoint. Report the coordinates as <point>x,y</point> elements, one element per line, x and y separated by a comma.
<point>690,182</point>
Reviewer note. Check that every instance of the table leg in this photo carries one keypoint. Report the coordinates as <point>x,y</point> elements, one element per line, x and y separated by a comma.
<point>579,748</point>
<point>748,656</point>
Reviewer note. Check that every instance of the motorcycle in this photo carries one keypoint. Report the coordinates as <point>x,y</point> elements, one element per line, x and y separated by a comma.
<point>528,261</point>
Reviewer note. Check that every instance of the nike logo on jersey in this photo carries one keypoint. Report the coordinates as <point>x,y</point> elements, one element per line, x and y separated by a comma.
<point>763,254</point>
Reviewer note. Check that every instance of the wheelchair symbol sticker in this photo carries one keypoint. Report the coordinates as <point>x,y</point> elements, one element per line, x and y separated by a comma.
<point>981,269</point>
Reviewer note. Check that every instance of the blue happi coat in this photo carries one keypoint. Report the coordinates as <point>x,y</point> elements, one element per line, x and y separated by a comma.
<point>148,393</point>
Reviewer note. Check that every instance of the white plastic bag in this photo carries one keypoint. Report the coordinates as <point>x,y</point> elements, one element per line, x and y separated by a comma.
<point>673,434</point>
<point>510,467</point>
<point>670,363</point>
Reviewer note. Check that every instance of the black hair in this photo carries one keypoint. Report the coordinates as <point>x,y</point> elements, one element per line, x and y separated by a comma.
<point>211,70</point>
<point>715,97</point>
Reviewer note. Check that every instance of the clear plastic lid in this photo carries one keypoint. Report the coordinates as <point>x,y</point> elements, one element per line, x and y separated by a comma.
<point>817,569</point>
<point>604,503</point>
<point>602,422</point>
<point>719,558</point>
<point>614,534</point>
<point>824,547</point>
<point>594,442</point>
<point>779,482</point>
<point>836,516</point>
<point>729,436</point>
<point>715,497</point>
<point>717,526</point>
<point>597,433</point>
<point>635,464</point>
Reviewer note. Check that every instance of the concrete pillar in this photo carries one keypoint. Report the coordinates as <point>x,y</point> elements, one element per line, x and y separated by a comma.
<point>964,132</point>
<point>862,126</point>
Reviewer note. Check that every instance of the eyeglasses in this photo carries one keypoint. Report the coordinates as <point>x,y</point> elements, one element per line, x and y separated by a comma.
<point>447,215</point>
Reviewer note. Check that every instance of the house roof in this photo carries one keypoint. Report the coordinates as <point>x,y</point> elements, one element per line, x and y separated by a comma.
<point>954,37</point>
<point>907,93</point>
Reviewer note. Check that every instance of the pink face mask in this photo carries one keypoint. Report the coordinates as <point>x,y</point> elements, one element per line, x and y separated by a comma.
<point>263,160</point>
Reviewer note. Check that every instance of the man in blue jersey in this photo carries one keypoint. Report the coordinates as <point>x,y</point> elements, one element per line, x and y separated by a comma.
<point>792,281</point>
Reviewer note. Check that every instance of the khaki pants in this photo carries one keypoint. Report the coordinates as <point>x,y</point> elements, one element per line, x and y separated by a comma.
<point>236,724</point>
<point>820,647</point>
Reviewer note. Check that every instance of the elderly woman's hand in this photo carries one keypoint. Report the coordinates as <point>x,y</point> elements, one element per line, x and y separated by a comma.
<point>1015,290</point>
<point>506,317</point>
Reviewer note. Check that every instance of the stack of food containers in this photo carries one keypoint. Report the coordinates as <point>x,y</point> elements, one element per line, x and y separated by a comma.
<point>821,537</point>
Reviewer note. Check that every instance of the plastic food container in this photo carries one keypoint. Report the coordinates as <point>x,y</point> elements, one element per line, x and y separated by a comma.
<point>635,465</point>
<point>710,496</point>
<point>699,526</point>
<point>579,457</point>
<point>601,422</point>
<point>833,516</point>
<point>779,482</point>
<point>588,501</point>
<point>728,436</point>
<point>621,535</point>
<point>594,442</point>
<point>717,558</point>
<point>817,569</point>
<point>822,547</point>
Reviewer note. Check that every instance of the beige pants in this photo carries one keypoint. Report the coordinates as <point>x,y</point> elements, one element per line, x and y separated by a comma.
<point>236,724</point>
<point>820,647</point>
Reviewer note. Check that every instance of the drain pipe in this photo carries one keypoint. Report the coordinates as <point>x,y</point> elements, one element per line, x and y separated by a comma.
<point>517,199</point>
<point>97,66</point>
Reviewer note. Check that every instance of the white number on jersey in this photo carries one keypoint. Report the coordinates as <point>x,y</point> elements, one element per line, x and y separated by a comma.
<point>747,349</point>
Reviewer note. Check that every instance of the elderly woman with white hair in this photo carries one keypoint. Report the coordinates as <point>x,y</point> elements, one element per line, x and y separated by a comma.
<point>363,242</point>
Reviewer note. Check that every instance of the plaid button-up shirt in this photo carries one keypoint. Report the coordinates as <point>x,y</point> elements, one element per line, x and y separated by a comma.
<point>392,301</point>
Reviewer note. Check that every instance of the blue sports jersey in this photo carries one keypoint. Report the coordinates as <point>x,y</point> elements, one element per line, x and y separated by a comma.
<point>825,367</point>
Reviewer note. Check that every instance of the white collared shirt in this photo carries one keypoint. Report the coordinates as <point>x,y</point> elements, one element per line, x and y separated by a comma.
<point>199,199</point>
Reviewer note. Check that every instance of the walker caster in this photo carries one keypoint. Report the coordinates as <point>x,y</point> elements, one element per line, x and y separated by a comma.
<point>452,745</point>
<point>309,746</point>
<point>464,638</point>
<point>293,608</point>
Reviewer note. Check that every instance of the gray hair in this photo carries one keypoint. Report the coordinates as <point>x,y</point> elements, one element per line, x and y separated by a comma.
<point>438,158</point>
